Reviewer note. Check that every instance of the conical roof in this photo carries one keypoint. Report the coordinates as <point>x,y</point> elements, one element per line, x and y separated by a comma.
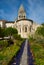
<point>21,8</point>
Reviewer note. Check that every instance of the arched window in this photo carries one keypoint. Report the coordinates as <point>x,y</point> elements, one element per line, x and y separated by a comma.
<point>19,16</point>
<point>30,28</point>
<point>25,29</point>
<point>24,17</point>
<point>20,30</point>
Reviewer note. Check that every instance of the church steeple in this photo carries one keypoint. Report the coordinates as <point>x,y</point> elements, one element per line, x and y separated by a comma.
<point>21,13</point>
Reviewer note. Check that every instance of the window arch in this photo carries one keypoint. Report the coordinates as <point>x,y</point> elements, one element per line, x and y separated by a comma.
<point>30,28</point>
<point>25,29</point>
<point>20,30</point>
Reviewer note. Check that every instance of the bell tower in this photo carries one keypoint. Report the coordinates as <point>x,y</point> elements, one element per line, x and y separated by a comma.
<point>21,13</point>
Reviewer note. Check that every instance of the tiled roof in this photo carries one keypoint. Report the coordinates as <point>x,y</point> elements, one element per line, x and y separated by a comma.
<point>2,20</point>
<point>10,21</point>
<point>7,21</point>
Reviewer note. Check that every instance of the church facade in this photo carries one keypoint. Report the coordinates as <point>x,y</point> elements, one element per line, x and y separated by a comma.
<point>24,26</point>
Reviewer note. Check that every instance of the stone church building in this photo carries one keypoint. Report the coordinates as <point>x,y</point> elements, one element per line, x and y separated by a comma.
<point>24,26</point>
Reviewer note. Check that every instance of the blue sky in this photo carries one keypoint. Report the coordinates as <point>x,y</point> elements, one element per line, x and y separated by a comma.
<point>34,9</point>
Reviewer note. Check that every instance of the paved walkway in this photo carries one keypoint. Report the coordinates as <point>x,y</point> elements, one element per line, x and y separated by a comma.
<point>24,55</point>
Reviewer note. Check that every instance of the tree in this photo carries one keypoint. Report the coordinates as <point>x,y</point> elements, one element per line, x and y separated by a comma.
<point>10,31</point>
<point>1,32</point>
<point>42,24</point>
<point>40,31</point>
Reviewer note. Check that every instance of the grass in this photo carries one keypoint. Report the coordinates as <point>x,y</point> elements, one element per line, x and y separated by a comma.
<point>7,54</point>
<point>38,51</point>
<point>3,44</point>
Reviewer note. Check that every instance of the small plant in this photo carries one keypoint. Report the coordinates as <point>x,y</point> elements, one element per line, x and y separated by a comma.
<point>10,42</point>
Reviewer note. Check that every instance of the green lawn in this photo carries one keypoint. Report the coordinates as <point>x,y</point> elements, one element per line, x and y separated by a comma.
<point>8,52</point>
<point>38,52</point>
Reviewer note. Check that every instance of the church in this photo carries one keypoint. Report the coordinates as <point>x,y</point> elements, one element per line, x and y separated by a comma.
<point>24,26</point>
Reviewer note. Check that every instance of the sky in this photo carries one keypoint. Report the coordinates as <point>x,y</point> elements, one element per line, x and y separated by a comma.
<point>34,9</point>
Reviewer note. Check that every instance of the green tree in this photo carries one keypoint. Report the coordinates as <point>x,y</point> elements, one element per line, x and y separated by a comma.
<point>40,31</point>
<point>42,24</point>
<point>1,32</point>
<point>10,31</point>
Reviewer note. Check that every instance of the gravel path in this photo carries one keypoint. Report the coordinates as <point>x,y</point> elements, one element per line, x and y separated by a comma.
<point>24,55</point>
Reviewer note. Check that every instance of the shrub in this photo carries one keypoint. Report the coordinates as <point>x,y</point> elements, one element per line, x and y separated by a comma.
<point>31,39</point>
<point>3,44</point>
<point>7,54</point>
<point>10,41</point>
<point>18,37</point>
